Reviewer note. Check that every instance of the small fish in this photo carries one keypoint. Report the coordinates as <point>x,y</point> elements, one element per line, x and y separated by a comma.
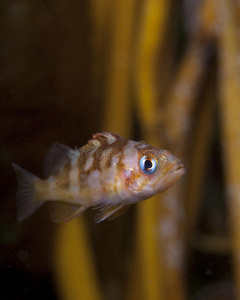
<point>110,173</point>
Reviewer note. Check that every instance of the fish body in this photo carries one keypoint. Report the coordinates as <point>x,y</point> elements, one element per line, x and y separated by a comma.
<point>109,173</point>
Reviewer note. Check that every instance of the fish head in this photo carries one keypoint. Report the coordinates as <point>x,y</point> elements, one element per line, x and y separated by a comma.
<point>149,170</point>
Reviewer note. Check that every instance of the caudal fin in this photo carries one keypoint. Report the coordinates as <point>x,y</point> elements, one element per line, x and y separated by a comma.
<point>26,199</point>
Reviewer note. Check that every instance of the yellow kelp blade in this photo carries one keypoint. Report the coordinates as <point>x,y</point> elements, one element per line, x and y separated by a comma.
<point>117,110</point>
<point>118,106</point>
<point>149,40</point>
<point>149,259</point>
<point>230,108</point>
<point>73,263</point>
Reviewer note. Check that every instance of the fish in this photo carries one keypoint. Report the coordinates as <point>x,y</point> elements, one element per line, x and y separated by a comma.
<point>110,173</point>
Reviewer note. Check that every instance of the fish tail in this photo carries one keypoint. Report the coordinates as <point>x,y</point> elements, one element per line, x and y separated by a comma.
<point>26,199</point>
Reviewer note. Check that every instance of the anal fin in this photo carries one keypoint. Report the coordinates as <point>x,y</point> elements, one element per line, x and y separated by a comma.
<point>62,212</point>
<point>110,212</point>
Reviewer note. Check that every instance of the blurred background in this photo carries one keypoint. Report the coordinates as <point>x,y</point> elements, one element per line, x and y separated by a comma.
<point>164,72</point>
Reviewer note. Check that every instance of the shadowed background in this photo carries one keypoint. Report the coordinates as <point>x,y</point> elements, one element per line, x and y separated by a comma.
<point>165,72</point>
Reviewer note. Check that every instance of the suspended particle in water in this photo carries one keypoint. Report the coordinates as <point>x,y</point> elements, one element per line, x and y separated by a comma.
<point>23,255</point>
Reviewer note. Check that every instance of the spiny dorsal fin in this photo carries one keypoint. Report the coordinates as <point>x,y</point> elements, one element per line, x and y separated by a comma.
<point>57,156</point>
<point>110,212</point>
<point>99,139</point>
<point>61,212</point>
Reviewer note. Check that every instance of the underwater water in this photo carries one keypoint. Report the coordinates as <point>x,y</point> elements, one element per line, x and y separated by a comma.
<point>163,73</point>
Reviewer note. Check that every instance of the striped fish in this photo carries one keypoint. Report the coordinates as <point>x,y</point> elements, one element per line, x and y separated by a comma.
<point>110,173</point>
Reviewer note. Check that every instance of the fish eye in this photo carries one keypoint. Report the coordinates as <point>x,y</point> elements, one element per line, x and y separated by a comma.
<point>148,164</point>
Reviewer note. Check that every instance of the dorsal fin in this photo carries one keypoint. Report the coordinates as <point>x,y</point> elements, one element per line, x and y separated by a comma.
<point>57,156</point>
<point>99,139</point>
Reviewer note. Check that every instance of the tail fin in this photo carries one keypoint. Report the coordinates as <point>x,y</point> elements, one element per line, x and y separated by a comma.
<point>26,199</point>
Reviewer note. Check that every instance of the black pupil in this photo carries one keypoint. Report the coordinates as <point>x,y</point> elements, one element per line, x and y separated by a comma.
<point>148,164</point>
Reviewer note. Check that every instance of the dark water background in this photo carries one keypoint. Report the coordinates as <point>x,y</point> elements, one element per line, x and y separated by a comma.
<point>50,91</point>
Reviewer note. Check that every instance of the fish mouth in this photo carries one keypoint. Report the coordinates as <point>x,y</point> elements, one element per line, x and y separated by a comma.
<point>179,168</point>
<point>175,172</point>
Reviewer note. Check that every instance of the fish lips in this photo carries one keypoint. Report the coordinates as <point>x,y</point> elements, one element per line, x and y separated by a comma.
<point>178,169</point>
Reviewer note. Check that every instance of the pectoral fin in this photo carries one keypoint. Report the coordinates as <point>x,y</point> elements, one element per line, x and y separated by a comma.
<point>61,212</point>
<point>110,212</point>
